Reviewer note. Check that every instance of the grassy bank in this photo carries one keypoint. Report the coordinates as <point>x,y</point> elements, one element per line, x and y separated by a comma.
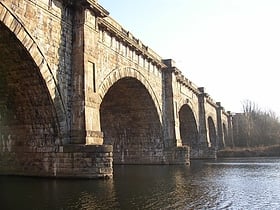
<point>265,151</point>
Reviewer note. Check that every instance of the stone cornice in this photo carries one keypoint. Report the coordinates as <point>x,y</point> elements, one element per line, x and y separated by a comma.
<point>98,10</point>
<point>207,97</point>
<point>211,101</point>
<point>180,78</point>
<point>132,42</point>
<point>226,113</point>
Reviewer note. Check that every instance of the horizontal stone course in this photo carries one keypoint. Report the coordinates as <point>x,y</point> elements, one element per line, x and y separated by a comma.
<point>59,164</point>
<point>78,93</point>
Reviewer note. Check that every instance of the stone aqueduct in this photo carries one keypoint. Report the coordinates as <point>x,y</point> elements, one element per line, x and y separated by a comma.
<point>78,92</point>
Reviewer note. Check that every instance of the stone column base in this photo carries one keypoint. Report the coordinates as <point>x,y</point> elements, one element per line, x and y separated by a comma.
<point>177,155</point>
<point>72,161</point>
<point>203,153</point>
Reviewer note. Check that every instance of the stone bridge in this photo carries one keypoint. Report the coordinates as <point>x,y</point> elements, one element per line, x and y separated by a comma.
<point>79,92</point>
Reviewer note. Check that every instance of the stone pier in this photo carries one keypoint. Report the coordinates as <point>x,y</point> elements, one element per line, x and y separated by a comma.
<point>79,93</point>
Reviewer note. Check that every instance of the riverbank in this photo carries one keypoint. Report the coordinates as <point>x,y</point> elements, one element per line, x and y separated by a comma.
<point>265,151</point>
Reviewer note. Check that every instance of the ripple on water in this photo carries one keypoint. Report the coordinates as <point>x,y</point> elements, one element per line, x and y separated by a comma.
<point>222,184</point>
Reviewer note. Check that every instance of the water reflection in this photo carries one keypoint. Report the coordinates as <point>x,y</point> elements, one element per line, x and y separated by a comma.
<point>222,184</point>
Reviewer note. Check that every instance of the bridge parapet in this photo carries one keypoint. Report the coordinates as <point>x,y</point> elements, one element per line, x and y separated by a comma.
<point>130,39</point>
<point>134,48</point>
<point>119,98</point>
<point>208,98</point>
<point>180,78</point>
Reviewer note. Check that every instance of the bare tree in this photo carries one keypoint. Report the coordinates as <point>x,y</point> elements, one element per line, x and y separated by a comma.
<point>255,127</point>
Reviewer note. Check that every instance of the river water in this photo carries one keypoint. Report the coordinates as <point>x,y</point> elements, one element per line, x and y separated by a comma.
<point>251,183</point>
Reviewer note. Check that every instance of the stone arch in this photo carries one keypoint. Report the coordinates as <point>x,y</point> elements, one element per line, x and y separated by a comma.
<point>130,122</point>
<point>212,134</point>
<point>191,105</point>
<point>13,23</point>
<point>32,112</point>
<point>118,74</point>
<point>188,126</point>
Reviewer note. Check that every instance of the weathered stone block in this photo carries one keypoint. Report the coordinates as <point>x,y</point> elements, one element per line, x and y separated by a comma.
<point>73,83</point>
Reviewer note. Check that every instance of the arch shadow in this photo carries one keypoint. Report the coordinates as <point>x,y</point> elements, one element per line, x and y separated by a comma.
<point>16,27</point>
<point>118,74</point>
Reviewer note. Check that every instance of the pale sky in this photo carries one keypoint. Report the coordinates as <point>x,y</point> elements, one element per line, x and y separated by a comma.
<point>230,47</point>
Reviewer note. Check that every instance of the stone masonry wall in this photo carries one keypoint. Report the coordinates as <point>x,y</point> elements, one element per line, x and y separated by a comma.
<point>114,56</point>
<point>50,26</point>
<point>60,59</point>
<point>73,161</point>
<point>35,70</point>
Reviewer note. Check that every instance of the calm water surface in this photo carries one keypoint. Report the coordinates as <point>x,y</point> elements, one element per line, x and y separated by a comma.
<point>252,183</point>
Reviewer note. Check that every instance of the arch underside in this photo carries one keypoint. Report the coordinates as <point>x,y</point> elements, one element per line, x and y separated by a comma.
<point>120,73</point>
<point>27,115</point>
<point>188,128</point>
<point>130,122</point>
<point>27,44</point>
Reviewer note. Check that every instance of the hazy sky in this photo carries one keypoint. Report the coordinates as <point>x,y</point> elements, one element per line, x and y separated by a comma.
<point>230,47</point>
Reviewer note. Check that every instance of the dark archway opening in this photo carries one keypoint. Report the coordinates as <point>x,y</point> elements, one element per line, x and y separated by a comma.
<point>188,127</point>
<point>130,122</point>
<point>212,133</point>
<point>27,115</point>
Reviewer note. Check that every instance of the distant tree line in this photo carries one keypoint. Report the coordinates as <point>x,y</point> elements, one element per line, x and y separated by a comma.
<point>255,127</point>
